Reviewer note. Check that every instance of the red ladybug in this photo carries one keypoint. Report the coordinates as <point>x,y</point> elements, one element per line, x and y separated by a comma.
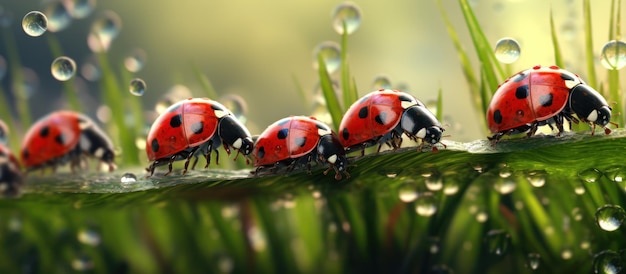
<point>64,136</point>
<point>192,127</point>
<point>383,116</point>
<point>298,140</point>
<point>10,175</point>
<point>544,95</point>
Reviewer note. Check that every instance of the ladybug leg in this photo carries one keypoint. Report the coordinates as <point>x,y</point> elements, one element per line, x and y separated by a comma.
<point>195,161</point>
<point>532,130</point>
<point>169,165</point>
<point>192,152</point>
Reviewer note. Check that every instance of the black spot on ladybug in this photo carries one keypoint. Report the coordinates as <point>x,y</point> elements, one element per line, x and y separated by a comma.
<point>59,139</point>
<point>25,153</point>
<point>363,112</point>
<point>381,118</point>
<point>405,98</point>
<point>300,141</point>
<point>261,152</point>
<point>176,121</point>
<point>497,116</point>
<point>154,145</point>
<point>522,92</point>
<point>282,134</point>
<point>44,132</point>
<point>345,134</point>
<point>197,128</point>
<point>545,100</point>
<point>520,76</point>
<point>567,77</point>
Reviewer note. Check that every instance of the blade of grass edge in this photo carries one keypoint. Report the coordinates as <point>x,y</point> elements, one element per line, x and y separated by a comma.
<point>558,56</point>
<point>613,74</point>
<point>349,92</point>
<point>591,71</point>
<point>332,103</point>
<point>17,79</point>
<point>204,82</point>
<point>69,88</point>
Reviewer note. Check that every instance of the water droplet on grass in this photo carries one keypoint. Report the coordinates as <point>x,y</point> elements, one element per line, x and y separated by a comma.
<point>497,241</point>
<point>608,262</point>
<point>613,55</point>
<point>533,260</point>
<point>63,68</point>
<point>237,105</point>
<point>137,87</point>
<point>610,217</point>
<point>89,236</point>
<point>82,263</point>
<point>381,82</point>
<point>350,14</point>
<point>590,175</point>
<point>58,16</point>
<point>507,50</point>
<point>331,53</point>
<point>536,178</point>
<point>80,8</point>
<point>103,31</point>
<point>135,61</point>
<point>35,23</point>
<point>128,178</point>
<point>407,191</point>
<point>426,204</point>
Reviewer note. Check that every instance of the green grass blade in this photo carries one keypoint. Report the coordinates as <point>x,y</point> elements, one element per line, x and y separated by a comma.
<point>558,56</point>
<point>69,89</point>
<point>613,75</point>
<point>350,93</point>
<point>205,82</point>
<point>591,71</point>
<point>326,84</point>
<point>439,113</point>
<point>17,79</point>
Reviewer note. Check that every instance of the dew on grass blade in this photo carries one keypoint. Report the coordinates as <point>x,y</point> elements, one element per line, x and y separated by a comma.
<point>63,68</point>
<point>135,61</point>
<point>507,50</point>
<point>608,262</point>
<point>331,53</point>
<point>103,31</point>
<point>426,204</point>
<point>533,260</point>
<point>58,16</point>
<point>35,23</point>
<point>128,178</point>
<point>407,191</point>
<point>137,87</point>
<point>497,242</point>
<point>350,14</point>
<point>590,175</point>
<point>613,55</point>
<point>237,105</point>
<point>610,217</point>
<point>79,9</point>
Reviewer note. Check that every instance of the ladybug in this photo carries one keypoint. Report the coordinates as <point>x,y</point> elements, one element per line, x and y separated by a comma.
<point>11,180</point>
<point>298,140</point>
<point>544,95</point>
<point>64,136</point>
<point>382,116</point>
<point>192,127</point>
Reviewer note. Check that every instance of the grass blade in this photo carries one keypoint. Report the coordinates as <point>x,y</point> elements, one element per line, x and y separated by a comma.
<point>326,84</point>
<point>439,113</point>
<point>17,79</point>
<point>614,91</point>
<point>68,86</point>
<point>350,93</point>
<point>558,56</point>
<point>205,82</point>
<point>591,71</point>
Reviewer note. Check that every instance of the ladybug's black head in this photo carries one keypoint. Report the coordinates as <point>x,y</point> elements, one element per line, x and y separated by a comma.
<point>419,122</point>
<point>234,134</point>
<point>432,135</point>
<point>589,105</point>
<point>94,142</point>
<point>330,150</point>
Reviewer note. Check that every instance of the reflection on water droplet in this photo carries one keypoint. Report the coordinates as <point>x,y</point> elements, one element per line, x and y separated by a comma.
<point>35,23</point>
<point>507,50</point>
<point>128,178</point>
<point>407,191</point>
<point>390,172</point>
<point>608,262</point>
<point>137,87</point>
<point>450,183</point>
<point>533,260</point>
<point>350,14</point>
<point>434,181</point>
<point>63,68</point>
<point>80,8</point>
<point>89,237</point>
<point>135,61</point>
<point>613,55</point>
<point>58,16</point>
<point>616,174</point>
<point>103,31</point>
<point>610,217</point>
<point>331,54</point>
<point>536,178</point>
<point>237,105</point>
<point>497,242</point>
<point>590,175</point>
<point>381,82</point>
<point>426,204</point>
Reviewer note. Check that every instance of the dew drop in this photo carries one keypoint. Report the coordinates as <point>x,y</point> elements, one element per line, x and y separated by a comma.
<point>536,178</point>
<point>331,54</point>
<point>533,260</point>
<point>128,178</point>
<point>137,87</point>
<point>35,23</point>
<point>610,217</point>
<point>497,242</point>
<point>58,16</point>
<point>426,204</point>
<point>63,68</point>
<point>566,254</point>
<point>590,175</point>
<point>434,181</point>
<point>607,262</point>
<point>381,82</point>
<point>507,50</point>
<point>80,8</point>
<point>237,105</point>
<point>350,14</point>
<point>407,191</point>
<point>450,184</point>
<point>103,31</point>
<point>89,236</point>
<point>135,61</point>
<point>613,55</point>
<point>504,185</point>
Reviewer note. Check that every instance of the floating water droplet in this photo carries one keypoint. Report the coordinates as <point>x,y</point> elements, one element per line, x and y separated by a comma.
<point>58,16</point>
<point>608,262</point>
<point>63,68</point>
<point>331,54</point>
<point>613,55</point>
<point>507,50</point>
<point>80,8</point>
<point>35,23</point>
<point>90,69</point>
<point>29,85</point>
<point>103,113</point>
<point>426,204</point>
<point>610,217</point>
<point>137,87</point>
<point>590,175</point>
<point>434,181</point>
<point>128,178</point>
<point>89,236</point>
<point>381,82</point>
<point>104,31</point>
<point>237,105</point>
<point>407,191</point>
<point>497,241</point>
<point>135,61</point>
<point>225,264</point>
<point>350,14</point>
<point>536,178</point>
<point>533,260</point>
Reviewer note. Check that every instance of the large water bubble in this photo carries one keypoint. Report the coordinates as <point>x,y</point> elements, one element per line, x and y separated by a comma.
<point>35,23</point>
<point>58,16</point>
<point>80,8</point>
<point>348,13</point>
<point>507,50</point>
<point>137,87</point>
<point>331,54</point>
<point>610,217</point>
<point>613,55</point>
<point>63,68</point>
<point>103,31</point>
